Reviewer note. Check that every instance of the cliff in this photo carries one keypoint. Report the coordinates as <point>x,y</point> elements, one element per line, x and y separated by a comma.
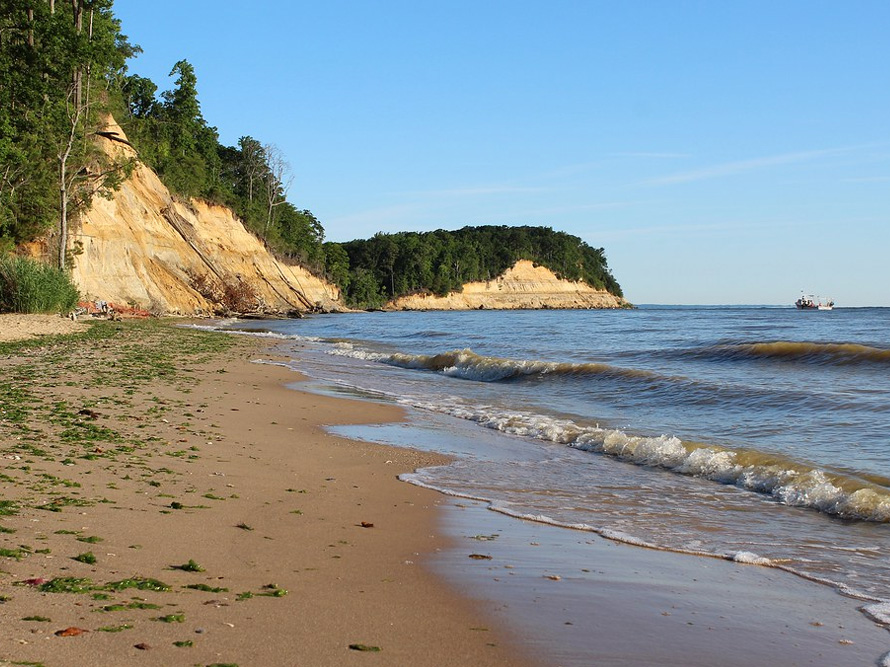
<point>522,286</point>
<point>144,248</point>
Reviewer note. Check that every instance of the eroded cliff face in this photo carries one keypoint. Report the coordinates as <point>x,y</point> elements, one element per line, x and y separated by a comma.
<point>145,249</point>
<point>522,286</point>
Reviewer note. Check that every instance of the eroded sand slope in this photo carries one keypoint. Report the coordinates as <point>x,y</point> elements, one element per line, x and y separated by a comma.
<point>143,248</point>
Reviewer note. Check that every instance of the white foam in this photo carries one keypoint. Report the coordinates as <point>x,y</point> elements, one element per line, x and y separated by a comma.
<point>346,349</point>
<point>879,612</point>
<point>784,481</point>
<point>749,558</point>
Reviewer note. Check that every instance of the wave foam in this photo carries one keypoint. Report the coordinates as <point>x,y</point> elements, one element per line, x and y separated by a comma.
<point>789,482</point>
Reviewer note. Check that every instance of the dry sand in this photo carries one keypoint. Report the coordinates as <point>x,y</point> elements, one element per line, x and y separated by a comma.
<point>208,459</point>
<point>19,327</point>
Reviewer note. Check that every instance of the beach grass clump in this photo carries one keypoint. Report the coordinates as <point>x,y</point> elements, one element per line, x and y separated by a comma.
<point>29,286</point>
<point>272,591</point>
<point>67,585</point>
<point>115,628</point>
<point>191,566</point>
<point>17,554</point>
<point>87,557</point>
<point>206,588</point>
<point>119,606</point>
<point>365,648</point>
<point>171,618</point>
<point>139,583</point>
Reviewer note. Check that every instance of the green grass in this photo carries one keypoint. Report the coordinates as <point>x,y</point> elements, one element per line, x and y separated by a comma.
<point>115,628</point>
<point>17,554</point>
<point>191,566</point>
<point>206,588</point>
<point>139,583</point>
<point>67,585</point>
<point>29,286</point>
<point>172,618</point>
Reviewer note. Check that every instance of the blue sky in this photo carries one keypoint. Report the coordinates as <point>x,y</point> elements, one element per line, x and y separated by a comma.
<point>721,152</point>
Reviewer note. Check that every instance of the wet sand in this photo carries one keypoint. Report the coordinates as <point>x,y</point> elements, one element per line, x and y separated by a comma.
<point>580,600</point>
<point>202,470</point>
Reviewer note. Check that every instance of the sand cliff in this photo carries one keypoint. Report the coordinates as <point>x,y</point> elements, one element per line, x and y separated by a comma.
<point>144,248</point>
<point>522,286</point>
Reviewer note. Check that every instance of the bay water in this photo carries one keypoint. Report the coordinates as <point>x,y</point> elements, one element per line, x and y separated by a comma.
<point>755,434</point>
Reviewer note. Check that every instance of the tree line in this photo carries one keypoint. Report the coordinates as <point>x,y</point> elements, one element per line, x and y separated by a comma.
<point>387,266</point>
<point>63,71</point>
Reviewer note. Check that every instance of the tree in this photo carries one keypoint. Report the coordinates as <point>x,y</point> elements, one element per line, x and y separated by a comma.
<point>276,181</point>
<point>253,163</point>
<point>56,65</point>
<point>139,95</point>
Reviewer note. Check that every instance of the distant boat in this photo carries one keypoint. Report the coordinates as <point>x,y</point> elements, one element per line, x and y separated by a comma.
<point>810,302</point>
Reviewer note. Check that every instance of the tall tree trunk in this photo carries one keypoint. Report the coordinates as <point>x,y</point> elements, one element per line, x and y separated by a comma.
<point>63,210</point>
<point>64,194</point>
<point>77,6</point>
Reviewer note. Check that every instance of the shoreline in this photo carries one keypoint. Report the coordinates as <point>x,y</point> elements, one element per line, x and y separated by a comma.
<point>226,463</point>
<point>207,474</point>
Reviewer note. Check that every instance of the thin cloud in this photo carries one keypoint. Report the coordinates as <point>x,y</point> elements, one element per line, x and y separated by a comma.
<point>725,226</point>
<point>481,191</point>
<point>561,210</point>
<point>741,166</point>
<point>378,216</point>
<point>867,179</point>
<point>657,156</point>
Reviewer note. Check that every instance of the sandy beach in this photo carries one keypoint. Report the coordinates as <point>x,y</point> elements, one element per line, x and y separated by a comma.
<point>166,501</point>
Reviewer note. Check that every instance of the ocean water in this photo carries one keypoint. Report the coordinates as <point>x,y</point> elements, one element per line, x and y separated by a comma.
<point>754,434</point>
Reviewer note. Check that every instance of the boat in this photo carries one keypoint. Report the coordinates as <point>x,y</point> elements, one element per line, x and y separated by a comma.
<point>811,302</point>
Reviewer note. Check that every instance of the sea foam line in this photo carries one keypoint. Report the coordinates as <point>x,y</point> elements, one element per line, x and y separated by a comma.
<point>878,611</point>
<point>788,482</point>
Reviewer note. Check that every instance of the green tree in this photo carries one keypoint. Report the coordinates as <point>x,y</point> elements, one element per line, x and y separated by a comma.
<point>56,65</point>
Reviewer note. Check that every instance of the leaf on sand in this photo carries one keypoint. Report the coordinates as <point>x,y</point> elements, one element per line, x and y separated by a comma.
<point>366,524</point>
<point>365,647</point>
<point>480,556</point>
<point>70,632</point>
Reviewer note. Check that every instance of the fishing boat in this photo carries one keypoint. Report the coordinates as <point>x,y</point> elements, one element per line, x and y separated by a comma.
<point>811,302</point>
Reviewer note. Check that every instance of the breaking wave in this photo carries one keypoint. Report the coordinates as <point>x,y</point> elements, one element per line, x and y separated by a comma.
<point>785,480</point>
<point>799,352</point>
<point>467,365</point>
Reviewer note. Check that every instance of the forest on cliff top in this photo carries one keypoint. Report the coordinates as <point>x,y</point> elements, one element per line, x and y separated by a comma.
<point>64,71</point>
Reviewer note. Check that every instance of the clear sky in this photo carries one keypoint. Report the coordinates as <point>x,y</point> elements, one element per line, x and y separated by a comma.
<point>721,152</point>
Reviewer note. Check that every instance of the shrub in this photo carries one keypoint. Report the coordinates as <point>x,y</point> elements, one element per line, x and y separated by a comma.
<point>29,286</point>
